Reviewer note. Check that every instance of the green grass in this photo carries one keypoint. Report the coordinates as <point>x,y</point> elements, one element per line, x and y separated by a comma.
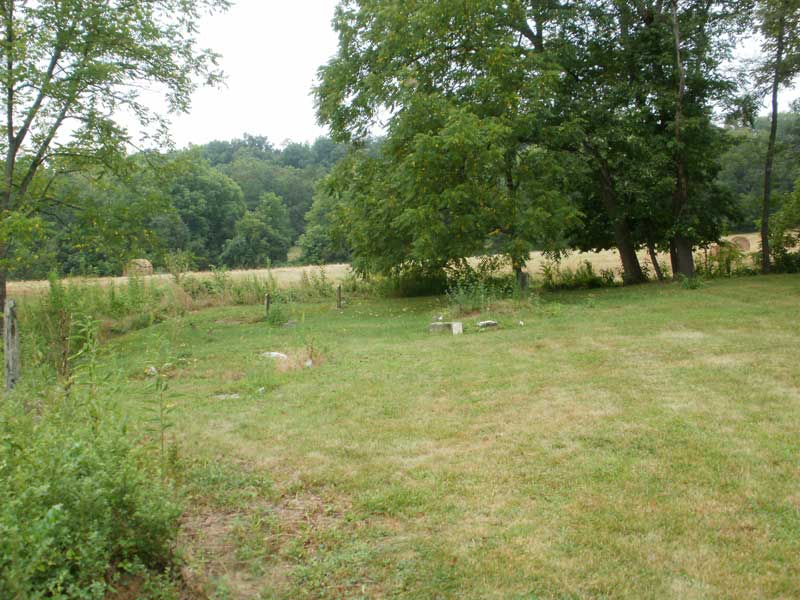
<point>622,443</point>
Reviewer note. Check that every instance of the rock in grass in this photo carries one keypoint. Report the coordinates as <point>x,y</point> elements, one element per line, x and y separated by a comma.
<point>456,328</point>
<point>227,397</point>
<point>487,324</point>
<point>274,355</point>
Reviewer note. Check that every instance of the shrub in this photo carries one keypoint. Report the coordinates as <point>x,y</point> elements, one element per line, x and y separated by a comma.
<point>467,297</point>
<point>689,283</point>
<point>178,263</point>
<point>728,261</point>
<point>555,277</point>
<point>785,237</point>
<point>78,500</point>
<point>277,315</point>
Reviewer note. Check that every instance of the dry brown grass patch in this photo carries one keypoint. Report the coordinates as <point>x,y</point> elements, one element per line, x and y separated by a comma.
<point>212,541</point>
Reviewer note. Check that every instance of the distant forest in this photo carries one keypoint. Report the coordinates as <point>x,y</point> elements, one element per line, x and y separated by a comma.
<point>246,203</point>
<point>241,203</point>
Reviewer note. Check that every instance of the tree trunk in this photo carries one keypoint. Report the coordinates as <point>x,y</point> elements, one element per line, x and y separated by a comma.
<point>673,259</point>
<point>684,255</point>
<point>3,293</point>
<point>654,259</point>
<point>631,269</point>
<point>684,258</point>
<point>11,345</point>
<point>520,276</point>
<point>773,130</point>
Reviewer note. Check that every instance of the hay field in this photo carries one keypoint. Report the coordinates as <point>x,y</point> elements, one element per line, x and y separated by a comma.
<point>288,276</point>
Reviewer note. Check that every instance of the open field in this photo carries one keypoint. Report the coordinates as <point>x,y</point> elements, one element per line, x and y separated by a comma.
<point>287,276</point>
<point>623,443</point>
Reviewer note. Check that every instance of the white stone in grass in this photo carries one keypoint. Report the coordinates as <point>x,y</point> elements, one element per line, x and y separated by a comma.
<point>487,324</point>
<point>151,371</point>
<point>227,396</point>
<point>308,364</point>
<point>274,355</point>
<point>456,328</point>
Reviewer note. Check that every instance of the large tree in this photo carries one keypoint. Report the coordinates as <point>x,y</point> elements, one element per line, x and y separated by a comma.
<point>466,86</point>
<point>72,73</point>
<point>618,91</point>
<point>779,24</point>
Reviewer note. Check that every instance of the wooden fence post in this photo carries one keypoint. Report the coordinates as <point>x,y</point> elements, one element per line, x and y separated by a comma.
<point>11,344</point>
<point>267,302</point>
<point>339,297</point>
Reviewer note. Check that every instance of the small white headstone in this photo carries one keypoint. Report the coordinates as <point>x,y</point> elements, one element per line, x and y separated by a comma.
<point>456,328</point>
<point>275,355</point>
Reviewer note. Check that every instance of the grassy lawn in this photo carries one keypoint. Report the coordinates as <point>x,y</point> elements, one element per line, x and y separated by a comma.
<point>623,443</point>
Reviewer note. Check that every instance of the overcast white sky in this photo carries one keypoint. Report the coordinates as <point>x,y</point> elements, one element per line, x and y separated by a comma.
<point>271,50</point>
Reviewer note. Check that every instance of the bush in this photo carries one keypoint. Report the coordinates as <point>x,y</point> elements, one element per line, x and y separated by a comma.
<point>554,277</point>
<point>78,501</point>
<point>689,283</point>
<point>727,261</point>
<point>468,297</point>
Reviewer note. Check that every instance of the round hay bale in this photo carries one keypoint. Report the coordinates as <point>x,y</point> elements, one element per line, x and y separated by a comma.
<point>742,243</point>
<point>138,267</point>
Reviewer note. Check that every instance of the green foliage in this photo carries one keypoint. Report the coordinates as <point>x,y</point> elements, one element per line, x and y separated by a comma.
<point>178,263</point>
<point>556,277</point>
<point>28,253</point>
<point>278,314</point>
<point>531,127</point>
<point>742,165</point>
<point>465,298</point>
<point>324,242</point>
<point>689,283</point>
<point>785,234</point>
<point>84,63</point>
<point>209,205</point>
<point>728,260</point>
<point>77,501</point>
<point>51,324</point>
<point>262,235</point>
<point>474,289</point>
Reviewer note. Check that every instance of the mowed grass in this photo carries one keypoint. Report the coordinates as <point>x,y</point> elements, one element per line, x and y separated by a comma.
<point>624,443</point>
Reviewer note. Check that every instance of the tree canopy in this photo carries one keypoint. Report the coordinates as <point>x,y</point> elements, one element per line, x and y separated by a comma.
<point>508,93</point>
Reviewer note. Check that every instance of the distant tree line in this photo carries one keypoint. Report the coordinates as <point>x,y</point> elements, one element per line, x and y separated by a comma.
<point>239,203</point>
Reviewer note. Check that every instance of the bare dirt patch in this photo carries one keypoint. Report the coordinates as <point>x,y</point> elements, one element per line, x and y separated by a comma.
<point>251,549</point>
